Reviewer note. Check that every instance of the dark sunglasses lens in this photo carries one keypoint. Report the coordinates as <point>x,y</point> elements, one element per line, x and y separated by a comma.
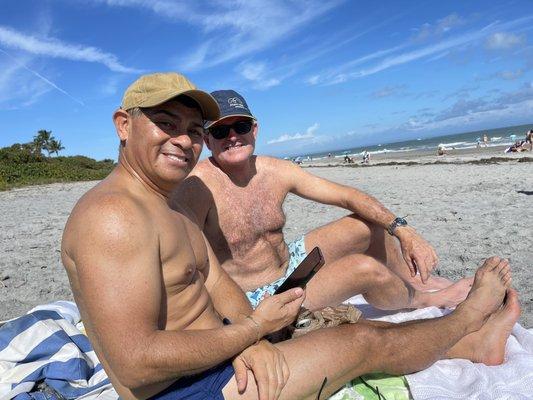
<point>242,127</point>
<point>220,132</point>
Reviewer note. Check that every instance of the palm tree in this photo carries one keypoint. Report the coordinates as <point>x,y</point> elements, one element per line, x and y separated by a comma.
<point>41,141</point>
<point>54,146</point>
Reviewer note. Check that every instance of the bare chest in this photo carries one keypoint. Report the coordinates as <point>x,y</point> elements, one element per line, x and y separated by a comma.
<point>245,214</point>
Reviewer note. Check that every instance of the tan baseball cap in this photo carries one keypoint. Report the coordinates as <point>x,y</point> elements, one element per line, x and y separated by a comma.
<point>154,89</point>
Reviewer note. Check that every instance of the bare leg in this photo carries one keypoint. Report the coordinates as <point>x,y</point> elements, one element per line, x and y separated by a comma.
<point>348,351</point>
<point>359,274</point>
<point>350,235</point>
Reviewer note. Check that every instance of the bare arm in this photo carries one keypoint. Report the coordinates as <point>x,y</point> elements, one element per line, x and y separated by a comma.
<point>314,188</point>
<point>119,274</point>
<point>417,253</point>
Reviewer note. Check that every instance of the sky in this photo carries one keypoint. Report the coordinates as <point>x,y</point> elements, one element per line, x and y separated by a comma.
<point>318,75</point>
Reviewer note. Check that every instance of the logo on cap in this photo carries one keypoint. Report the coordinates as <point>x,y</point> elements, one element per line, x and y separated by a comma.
<point>236,102</point>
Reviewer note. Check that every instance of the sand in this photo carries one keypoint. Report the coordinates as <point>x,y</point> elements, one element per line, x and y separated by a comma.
<point>467,211</point>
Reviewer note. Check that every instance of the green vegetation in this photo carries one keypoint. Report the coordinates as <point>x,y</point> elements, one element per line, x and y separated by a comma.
<point>24,164</point>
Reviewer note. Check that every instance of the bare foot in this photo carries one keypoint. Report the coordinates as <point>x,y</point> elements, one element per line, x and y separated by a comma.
<point>448,297</point>
<point>434,282</point>
<point>487,345</point>
<point>488,290</point>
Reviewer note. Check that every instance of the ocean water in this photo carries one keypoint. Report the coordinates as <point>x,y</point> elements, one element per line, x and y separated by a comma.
<point>468,140</point>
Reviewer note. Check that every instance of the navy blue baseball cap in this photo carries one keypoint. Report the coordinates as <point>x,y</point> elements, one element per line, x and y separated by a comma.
<point>231,104</point>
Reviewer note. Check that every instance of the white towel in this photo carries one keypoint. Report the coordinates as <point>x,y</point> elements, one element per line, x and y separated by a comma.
<point>463,379</point>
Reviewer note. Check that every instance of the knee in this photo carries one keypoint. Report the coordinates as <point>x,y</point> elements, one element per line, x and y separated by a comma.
<point>362,226</point>
<point>372,269</point>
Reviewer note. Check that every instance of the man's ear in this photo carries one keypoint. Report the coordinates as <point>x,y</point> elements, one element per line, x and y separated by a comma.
<point>255,129</point>
<point>206,141</point>
<point>122,121</point>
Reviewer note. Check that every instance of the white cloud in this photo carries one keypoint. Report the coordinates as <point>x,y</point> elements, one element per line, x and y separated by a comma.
<point>313,80</point>
<point>54,48</point>
<point>17,74</point>
<point>442,26</point>
<point>503,41</point>
<point>457,42</point>
<point>234,29</point>
<point>257,73</point>
<point>309,134</point>
<point>511,75</point>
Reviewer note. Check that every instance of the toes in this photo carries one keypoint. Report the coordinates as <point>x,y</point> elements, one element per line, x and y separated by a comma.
<point>491,263</point>
<point>503,267</point>
<point>507,281</point>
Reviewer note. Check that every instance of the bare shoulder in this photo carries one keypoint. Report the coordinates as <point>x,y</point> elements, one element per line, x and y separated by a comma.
<point>193,197</point>
<point>106,217</point>
<point>273,164</point>
<point>283,171</point>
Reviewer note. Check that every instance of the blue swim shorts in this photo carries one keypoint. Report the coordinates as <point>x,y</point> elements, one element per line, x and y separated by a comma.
<point>205,385</point>
<point>296,255</point>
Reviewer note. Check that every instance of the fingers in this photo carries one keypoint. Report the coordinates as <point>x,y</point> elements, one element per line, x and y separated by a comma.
<point>263,382</point>
<point>422,268</point>
<point>282,371</point>
<point>290,295</point>
<point>409,262</point>
<point>241,374</point>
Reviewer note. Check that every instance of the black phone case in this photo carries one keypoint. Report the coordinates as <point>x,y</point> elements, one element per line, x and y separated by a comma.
<point>303,273</point>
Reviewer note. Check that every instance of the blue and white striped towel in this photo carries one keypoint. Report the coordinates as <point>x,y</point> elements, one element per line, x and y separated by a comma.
<point>45,345</point>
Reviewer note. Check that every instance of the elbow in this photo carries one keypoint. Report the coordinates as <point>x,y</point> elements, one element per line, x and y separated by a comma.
<point>132,376</point>
<point>133,371</point>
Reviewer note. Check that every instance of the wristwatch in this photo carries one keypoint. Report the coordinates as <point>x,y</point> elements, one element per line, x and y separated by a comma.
<point>398,221</point>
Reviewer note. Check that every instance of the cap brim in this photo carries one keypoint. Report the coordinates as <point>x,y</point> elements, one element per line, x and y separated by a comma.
<point>208,104</point>
<point>211,123</point>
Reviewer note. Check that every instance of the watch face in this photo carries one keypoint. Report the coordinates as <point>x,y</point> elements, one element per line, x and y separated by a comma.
<point>401,221</point>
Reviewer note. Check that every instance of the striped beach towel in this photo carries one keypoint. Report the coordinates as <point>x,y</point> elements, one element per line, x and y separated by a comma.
<point>44,356</point>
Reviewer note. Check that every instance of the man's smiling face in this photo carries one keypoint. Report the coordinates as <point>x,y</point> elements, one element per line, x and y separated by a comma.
<point>165,142</point>
<point>236,147</point>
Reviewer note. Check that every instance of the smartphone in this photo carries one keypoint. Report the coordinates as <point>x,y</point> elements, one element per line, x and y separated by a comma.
<point>303,273</point>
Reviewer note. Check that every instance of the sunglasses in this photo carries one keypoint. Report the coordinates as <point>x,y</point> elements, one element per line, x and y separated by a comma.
<point>222,131</point>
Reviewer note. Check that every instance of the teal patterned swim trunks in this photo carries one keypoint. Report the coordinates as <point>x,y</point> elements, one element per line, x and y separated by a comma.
<point>296,255</point>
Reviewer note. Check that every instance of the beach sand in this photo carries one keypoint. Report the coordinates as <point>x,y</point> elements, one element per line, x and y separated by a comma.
<point>468,211</point>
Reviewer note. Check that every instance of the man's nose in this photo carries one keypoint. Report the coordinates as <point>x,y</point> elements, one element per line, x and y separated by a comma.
<point>182,140</point>
<point>232,134</point>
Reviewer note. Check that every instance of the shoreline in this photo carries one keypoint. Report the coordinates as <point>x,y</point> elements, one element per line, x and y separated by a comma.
<point>425,157</point>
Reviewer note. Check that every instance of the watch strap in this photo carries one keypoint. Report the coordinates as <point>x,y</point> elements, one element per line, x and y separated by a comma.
<point>398,221</point>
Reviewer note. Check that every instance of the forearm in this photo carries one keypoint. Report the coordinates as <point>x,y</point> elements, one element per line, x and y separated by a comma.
<point>368,208</point>
<point>229,299</point>
<point>168,355</point>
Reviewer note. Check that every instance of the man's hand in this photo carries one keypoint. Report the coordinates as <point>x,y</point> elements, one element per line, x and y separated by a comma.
<point>269,367</point>
<point>417,253</point>
<point>277,311</point>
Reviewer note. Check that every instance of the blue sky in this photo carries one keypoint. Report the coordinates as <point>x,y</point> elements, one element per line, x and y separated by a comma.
<point>318,75</point>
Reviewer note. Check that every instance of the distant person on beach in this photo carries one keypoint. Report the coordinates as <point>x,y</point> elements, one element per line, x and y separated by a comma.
<point>366,157</point>
<point>166,321</point>
<point>237,198</point>
<point>529,139</point>
<point>485,140</point>
<point>441,150</point>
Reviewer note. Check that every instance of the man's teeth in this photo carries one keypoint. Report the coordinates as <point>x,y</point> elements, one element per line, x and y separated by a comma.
<point>233,146</point>
<point>177,158</point>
